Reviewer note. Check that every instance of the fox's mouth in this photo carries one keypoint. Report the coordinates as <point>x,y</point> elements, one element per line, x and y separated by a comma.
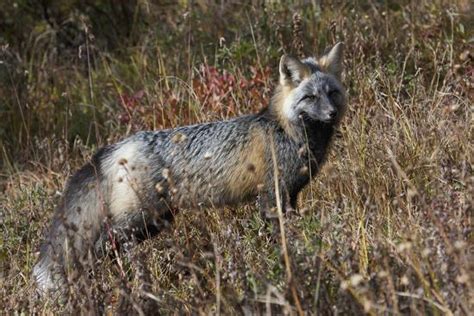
<point>329,120</point>
<point>305,117</point>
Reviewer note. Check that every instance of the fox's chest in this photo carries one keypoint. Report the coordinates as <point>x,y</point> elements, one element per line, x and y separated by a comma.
<point>300,161</point>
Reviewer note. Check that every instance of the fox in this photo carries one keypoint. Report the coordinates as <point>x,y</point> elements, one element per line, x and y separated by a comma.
<point>136,186</point>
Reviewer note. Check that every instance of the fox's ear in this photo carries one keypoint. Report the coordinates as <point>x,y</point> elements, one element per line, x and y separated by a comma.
<point>292,71</point>
<point>332,61</point>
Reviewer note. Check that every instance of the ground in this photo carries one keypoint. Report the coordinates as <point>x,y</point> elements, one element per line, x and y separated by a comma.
<point>385,228</point>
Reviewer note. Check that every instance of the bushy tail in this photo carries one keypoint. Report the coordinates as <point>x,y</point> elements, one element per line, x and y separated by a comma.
<point>75,228</point>
<point>118,183</point>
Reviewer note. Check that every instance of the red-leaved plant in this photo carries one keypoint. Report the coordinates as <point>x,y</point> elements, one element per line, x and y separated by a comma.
<point>218,94</point>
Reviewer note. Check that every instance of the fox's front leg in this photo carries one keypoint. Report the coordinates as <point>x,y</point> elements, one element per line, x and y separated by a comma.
<point>268,203</point>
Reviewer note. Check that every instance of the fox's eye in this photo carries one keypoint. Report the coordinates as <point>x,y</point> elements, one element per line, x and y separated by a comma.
<point>308,97</point>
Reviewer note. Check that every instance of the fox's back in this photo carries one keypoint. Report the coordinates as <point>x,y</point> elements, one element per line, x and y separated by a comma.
<point>209,164</point>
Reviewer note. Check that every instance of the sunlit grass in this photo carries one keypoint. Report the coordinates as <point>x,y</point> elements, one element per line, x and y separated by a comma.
<point>384,228</point>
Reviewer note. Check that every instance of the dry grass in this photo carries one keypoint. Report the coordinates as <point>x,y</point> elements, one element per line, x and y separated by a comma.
<point>386,228</point>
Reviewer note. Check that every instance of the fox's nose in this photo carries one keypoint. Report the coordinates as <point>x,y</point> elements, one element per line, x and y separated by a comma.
<point>332,114</point>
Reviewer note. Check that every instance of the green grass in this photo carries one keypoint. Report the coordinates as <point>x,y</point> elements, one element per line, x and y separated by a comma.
<point>385,228</point>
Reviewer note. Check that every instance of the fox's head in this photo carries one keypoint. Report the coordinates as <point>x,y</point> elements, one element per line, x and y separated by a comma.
<point>311,89</point>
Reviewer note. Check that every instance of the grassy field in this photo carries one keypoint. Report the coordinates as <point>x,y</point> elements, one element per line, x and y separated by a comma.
<point>385,228</point>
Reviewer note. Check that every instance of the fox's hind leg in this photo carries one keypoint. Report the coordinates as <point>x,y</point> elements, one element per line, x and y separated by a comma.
<point>132,229</point>
<point>135,209</point>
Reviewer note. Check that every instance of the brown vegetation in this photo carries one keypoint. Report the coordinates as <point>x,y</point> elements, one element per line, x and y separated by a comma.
<point>386,228</point>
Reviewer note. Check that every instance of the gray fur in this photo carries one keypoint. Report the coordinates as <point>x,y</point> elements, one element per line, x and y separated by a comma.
<point>135,184</point>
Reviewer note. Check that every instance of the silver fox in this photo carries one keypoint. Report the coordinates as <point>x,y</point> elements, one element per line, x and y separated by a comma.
<point>137,184</point>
